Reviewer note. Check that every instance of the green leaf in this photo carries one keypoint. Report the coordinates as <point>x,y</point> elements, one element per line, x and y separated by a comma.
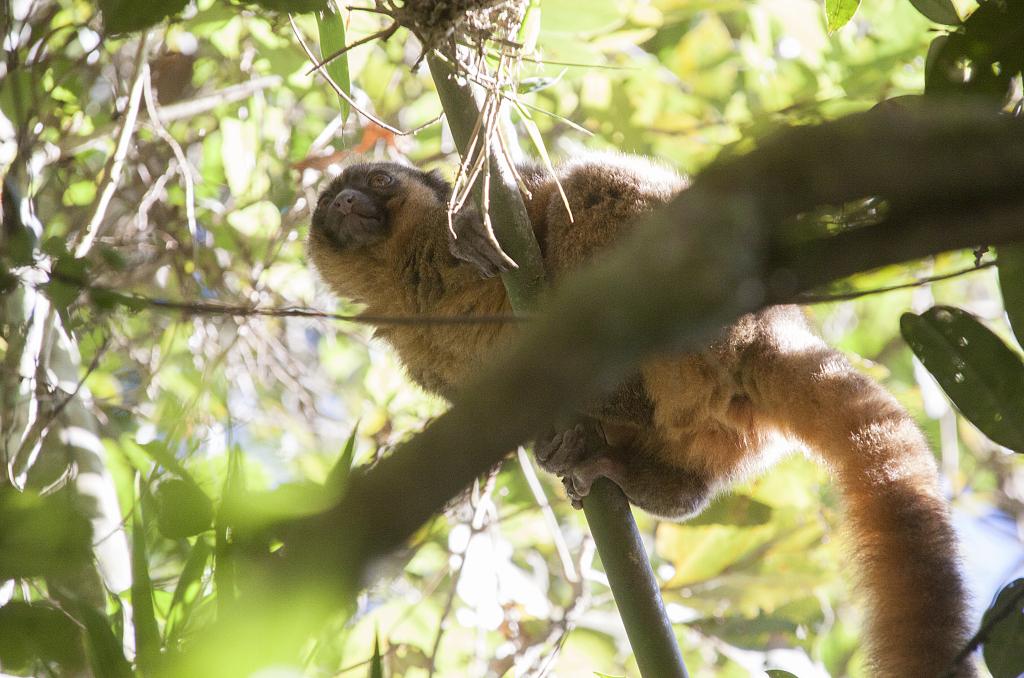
<point>8,281</point>
<point>192,572</point>
<point>42,536</point>
<point>294,6</point>
<point>734,510</point>
<point>564,16</point>
<point>18,245</point>
<point>779,673</point>
<point>125,16</point>
<point>182,509</point>
<point>935,64</point>
<point>80,193</point>
<point>30,633</point>
<point>839,12</point>
<point>1011,282</point>
<point>112,257</point>
<point>979,373</point>
<point>16,100</point>
<point>288,501</point>
<point>337,479</point>
<point>939,11</point>
<point>104,649</point>
<point>147,633</point>
<point>529,30</point>
<point>376,663</point>
<point>332,39</point>
<point>538,143</point>
<point>1005,638</point>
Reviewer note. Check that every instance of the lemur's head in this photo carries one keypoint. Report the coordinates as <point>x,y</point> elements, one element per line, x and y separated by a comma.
<point>364,205</point>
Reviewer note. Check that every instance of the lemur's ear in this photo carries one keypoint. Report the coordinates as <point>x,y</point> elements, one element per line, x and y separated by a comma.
<point>435,174</point>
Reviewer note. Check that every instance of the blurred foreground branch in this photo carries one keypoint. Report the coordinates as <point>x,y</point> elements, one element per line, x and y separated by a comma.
<point>951,177</point>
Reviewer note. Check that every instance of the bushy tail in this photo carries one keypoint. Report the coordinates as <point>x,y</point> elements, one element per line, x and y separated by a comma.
<point>899,526</point>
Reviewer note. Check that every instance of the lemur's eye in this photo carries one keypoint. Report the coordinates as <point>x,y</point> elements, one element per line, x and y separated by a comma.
<point>379,180</point>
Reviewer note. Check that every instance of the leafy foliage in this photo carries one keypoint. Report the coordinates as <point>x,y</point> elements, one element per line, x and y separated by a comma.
<point>1005,623</point>
<point>212,427</point>
<point>981,375</point>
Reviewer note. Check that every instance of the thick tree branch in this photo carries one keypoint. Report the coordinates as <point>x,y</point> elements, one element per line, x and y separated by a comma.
<point>717,251</point>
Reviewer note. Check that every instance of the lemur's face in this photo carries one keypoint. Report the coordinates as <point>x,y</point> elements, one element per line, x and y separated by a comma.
<point>358,208</point>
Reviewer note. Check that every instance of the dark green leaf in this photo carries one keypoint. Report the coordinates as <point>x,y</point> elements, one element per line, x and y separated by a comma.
<point>103,648</point>
<point>16,100</point>
<point>61,295</point>
<point>56,247</point>
<point>113,258</point>
<point>108,299</point>
<point>935,65</point>
<point>1004,640</point>
<point>376,663</point>
<point>147,633</point>
<point>839,12</point>
<point>939,11</point>
<point>779,673</point>
<point>18,245</point>
<point>8,281</point>
<point>157,449</point>
<point>1011,282</point>
<point>292,5</point>
<point>69,277</point>
<point>41,536</point>
<point>30,633</point>
<point>979,373</point>
<point>125,16</point>
<point>332,39</point>
<point>182,509</point>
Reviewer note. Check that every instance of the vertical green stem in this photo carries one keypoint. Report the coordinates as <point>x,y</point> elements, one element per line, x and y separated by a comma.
<point>607,509</point>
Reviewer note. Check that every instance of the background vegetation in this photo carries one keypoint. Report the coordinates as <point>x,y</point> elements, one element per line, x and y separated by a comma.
<point>155,176</point>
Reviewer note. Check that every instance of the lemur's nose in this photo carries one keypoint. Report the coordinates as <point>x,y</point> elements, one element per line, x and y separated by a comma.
<point>345,201</point>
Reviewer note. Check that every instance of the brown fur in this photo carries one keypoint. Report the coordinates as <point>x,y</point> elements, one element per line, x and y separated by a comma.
<point>691,425</point>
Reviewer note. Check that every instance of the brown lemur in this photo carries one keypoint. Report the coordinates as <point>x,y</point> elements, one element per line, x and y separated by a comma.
<point>687,426</point>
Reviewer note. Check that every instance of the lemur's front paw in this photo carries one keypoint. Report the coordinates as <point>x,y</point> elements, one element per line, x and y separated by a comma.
<point>559,452</point>
<point>579,458</point>
<point>471,241</point>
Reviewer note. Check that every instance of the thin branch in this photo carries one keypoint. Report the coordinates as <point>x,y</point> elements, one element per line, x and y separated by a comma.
<point>207,308</point>
<point>807,298</point>
<point>383,34</point>
<point>115,166</point>
<point>185,169</point>
<point>340,91</point>
<point>41,427</point>
<point>190,108</point>
<point>550,521</point>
